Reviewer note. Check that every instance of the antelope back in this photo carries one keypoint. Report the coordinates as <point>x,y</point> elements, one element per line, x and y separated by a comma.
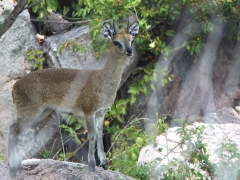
<point>123,41</point>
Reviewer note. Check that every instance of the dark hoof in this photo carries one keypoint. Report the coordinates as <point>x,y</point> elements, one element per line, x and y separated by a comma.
<point>104,166</point>
<point>91,166</point>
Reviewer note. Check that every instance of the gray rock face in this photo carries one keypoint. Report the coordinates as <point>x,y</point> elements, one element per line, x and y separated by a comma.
<point>58,27</point>
<point>201,84</point>
<point>14,44</point>
<point>78,60</point>
<point>4,171</point>
<point>39,169</point>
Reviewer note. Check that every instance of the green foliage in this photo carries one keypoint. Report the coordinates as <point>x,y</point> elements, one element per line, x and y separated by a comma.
<point>74,45</point>
<point>162,126</point>
<point>200,18</point>
<point>127,143</point>
<point>46,154</point>
<point>72,127</point>
<point>43,7</point>
<point>36,58</point>
<point>64,156</point>
<point>146,84</point>
<point>195,163</point>
<point>229,161</point>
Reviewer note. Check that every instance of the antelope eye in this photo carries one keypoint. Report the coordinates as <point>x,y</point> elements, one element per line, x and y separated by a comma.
<point>116,43</point>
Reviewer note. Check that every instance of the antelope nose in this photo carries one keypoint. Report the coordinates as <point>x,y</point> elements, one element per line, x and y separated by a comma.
<point>129,51</point>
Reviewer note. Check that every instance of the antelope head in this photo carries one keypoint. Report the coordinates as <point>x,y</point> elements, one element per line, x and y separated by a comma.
<point>122,41</point>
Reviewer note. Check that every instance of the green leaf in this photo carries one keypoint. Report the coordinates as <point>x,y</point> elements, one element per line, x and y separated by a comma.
<point>146,78</point>
<point>133,4</point>
<point>71,120</point>
<point>134,156</point>
<point>40,66</point>
<point>139,141</point>
<point>133,90</point>
<point>153,87</point>
<point>30,58</point>
<point>38,52</point>
<point>120,119</point>
<point>78,126</point>
<point>41,59</point>
<point>170,33</point>
<point>145,90</point>
<point>121,102</point>
<point>132,100</point>
<point>154,77</point>
<point>52,4</point>
<point>34,64</point>
<point>155,145</point>
<point>35,8</point>
<point>148,69</point>
<point>29,53</point>
<point>65,10</point>
<point>64,126</point>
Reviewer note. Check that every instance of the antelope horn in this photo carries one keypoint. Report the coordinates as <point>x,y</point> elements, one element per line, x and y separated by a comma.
<point>114,29</point>
<point>127,25</point>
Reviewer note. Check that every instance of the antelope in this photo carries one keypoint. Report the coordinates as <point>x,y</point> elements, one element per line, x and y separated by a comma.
<point>84,93</point>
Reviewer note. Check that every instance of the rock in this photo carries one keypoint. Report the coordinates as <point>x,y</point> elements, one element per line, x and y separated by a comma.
<point>58,27</point>
<point>79,60</point>
<point>5,8</point>
<point>4,171</point>
<point>45,140</point>
<point>222,116</point>
<point>237,108</point>
<point>213,137</point>
<point>7,110</point>
<point>46,169</point>
<point>200,85</point>
<point>3,147</point>
<point>14,44</point>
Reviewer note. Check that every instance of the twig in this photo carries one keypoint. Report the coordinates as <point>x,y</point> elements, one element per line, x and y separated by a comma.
<point>171,150</point>
<point>59,22</point>
<point>122,131</point>
<point>61,137</point>
<point>30,6</point>
<point>76,150</point>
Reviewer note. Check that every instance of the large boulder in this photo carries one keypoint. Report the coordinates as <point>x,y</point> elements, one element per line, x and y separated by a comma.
<point>14,44</point>
<point>40,169</point>
<point>170,146</point>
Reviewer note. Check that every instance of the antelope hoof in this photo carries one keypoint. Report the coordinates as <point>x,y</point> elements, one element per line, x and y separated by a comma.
<point>91,166</point>
<point>104,166</point>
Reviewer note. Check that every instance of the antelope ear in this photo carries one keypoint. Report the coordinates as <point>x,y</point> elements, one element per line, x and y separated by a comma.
<point>108,31</point>
<point>133,29</point>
